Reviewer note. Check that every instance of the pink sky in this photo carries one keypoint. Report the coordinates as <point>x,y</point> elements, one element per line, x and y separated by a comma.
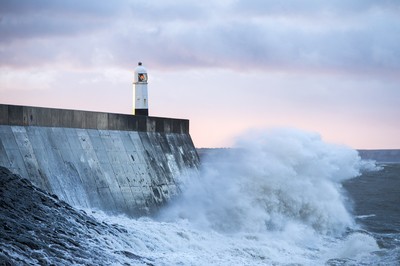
<point>228,67</point>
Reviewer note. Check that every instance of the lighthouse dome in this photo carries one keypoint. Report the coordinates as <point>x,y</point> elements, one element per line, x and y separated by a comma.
<point>140,74</point>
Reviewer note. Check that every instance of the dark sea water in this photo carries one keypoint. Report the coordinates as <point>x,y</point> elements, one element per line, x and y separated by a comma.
<point>376,205</point>
<point>283,198</point>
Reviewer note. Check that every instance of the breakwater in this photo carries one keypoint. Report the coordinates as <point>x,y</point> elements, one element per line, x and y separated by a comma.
<point>114,162</point>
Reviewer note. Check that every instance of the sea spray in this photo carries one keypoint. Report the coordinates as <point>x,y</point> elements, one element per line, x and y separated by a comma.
<point>271,180</point>
<point>274,199</point>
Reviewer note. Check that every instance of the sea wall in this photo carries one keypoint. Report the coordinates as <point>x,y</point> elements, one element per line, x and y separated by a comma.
<point>114,162</point>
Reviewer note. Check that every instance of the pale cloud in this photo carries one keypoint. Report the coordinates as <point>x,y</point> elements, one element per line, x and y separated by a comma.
<point>26,79</point>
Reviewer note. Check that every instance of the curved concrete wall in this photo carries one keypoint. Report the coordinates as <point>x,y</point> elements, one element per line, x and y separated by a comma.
<point>50,117</point>
<point>121,171</point>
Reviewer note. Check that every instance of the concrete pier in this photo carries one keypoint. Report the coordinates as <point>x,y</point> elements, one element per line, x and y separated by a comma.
<point>114,162</point>
<point>15,115</point>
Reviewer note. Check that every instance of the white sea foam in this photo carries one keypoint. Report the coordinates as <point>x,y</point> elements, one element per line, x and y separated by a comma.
<point>276,198</point>
<point>270,181</point>
<point>356,246</point>
<point>365,216</point>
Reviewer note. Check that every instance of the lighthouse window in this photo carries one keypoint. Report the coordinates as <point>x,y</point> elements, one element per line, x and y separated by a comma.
<point>142,77</point>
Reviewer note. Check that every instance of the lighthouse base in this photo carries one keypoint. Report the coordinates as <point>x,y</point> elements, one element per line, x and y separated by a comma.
<point>142,112</point>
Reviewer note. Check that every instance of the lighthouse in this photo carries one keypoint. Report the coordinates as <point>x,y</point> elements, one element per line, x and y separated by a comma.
<point>140,100</point>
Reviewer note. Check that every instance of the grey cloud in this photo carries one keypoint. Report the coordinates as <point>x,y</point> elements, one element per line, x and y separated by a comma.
<point>24,19</point>
<point>310,7</point>
<point>244,43</point>
<point>40,26</point>
<point>170,10</point>
<point>171,34</point>
<point>56,7</point>
<point>229,40</point>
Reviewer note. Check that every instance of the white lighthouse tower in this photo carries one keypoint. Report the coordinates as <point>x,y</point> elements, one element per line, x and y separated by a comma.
<point>140,100</point>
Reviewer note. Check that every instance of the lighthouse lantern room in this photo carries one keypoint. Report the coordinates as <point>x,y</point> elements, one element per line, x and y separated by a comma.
<point>140,98</point>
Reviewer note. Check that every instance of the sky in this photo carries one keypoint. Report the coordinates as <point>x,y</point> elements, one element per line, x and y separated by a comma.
<point>331,67</point>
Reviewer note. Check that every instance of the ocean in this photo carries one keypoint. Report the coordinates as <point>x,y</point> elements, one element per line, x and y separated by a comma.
<point>278,197</point>
<point>376,197</point>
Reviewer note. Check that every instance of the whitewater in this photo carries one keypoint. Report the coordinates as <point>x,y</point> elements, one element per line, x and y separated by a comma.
<point>275,198</point>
